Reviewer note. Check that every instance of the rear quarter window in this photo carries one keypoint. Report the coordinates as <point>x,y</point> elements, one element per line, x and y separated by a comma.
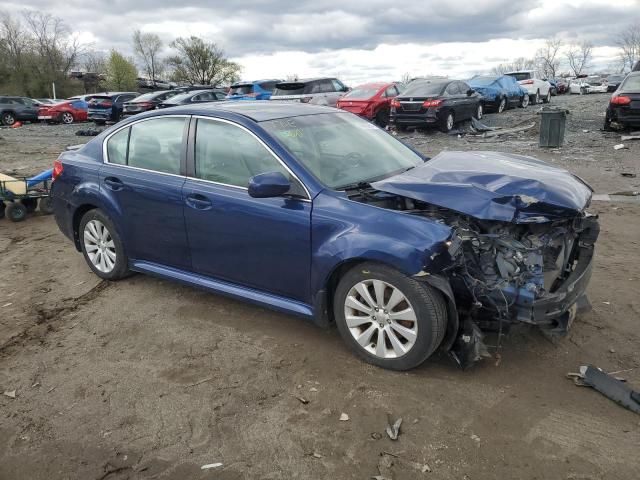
<point>117,147</point>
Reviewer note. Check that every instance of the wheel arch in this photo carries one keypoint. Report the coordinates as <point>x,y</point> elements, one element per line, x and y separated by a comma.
<point>75,222</point>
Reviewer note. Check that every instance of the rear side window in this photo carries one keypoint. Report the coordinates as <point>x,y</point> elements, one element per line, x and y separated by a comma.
<point>204,97</point>
<point>230,155</point>
<point>152,145</point>
<point>452,89</point>
<point>631,84</point>
<point>268,86</point>
<point>117,147</point>
<point>326,86</point>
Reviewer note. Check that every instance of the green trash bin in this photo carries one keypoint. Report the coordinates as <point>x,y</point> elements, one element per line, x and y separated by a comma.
<point>552,123</point>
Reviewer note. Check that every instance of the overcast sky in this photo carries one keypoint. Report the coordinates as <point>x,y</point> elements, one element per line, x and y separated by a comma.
<point>355,40</point>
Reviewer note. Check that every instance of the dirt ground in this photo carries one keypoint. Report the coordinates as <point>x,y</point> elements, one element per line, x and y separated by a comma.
<point>144,378</point>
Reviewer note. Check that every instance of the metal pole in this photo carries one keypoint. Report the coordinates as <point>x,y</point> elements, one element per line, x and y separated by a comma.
<point>53,84</point>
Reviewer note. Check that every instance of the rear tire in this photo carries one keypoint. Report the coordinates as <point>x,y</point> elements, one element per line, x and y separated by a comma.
<point>547,98</point>
<point>16,212</point>
<point>102,247</point>
<point>536,98</point>
<point>448,123</point>
<point>382,118</point>
<point>8,119</point>
<point>2,209</point>
<point>397,336</point>
<point>524,101</point>
<point>67,118</point>
<point>45,205</point>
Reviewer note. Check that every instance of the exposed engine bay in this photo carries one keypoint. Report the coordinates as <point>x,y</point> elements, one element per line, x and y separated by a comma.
<point>504,272</point>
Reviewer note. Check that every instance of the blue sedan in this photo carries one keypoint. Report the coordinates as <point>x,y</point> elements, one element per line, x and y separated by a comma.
<point>499,92</point>
<point>315,212</point>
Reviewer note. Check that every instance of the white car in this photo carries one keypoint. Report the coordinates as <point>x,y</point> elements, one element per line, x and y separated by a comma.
<point>584,85</point>
<point>539,90</point>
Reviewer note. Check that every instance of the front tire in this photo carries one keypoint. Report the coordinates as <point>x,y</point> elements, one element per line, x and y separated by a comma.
<point>479,112</point>
<point>502,106</point>
<point>382,118</point>
<point>16,212</point>
<point>102,247</point>
<point>388,319</point>
<point>524,101</point>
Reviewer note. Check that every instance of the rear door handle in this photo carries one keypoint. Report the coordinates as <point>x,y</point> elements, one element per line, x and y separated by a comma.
<point>198,202</point>
<point>113,183</point>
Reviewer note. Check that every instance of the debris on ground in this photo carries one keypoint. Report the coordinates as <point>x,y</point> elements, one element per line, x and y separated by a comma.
<point>376,435</point>
<point>90,132</point>
<point>344,417</point>
<point>628,175</point>
<point>10,393</point>
<point>210,465</point>
<point>620,146</point>
<point>624,138</point>
<point>627,193</point>
<point>608,385</point>
<point>302,400</point>
<point>475,438</point>
<point>393,428</point>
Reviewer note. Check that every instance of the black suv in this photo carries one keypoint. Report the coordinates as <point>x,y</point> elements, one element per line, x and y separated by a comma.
<point>13,109</point>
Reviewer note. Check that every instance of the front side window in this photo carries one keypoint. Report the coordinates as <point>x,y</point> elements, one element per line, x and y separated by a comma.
<point>229,154</point>
<point>337,85</point>
<point>341,149</point>
<point>391,92</point>
<point>154,144</point>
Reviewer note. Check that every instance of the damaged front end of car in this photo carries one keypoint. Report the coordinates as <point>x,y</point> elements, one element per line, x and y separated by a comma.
<point>522,242</point>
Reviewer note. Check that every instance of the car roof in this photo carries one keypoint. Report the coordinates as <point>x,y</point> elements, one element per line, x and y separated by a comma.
<point>374,85</point>
<point>253,82</point>
<point>258,111</point>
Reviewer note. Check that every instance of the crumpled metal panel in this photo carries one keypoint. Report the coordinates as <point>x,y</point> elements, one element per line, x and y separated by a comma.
<point>493,186</point>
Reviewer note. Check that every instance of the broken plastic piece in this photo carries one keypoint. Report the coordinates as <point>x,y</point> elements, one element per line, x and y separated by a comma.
<point>210,465</point>
<point>469,346</point>
<point>609,386</point>
<point>393,430</point>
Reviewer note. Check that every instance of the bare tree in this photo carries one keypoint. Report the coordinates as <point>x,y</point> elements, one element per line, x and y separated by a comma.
<point>94,62</point>
<point>53,41</point>
<point>629,43</point>
<point>579,57</point>
<point>520,63</point>
<point>147,47</point>
<point>202,62</point>
<point>406,78</point>
<point>548,57</point>
<point>13,39</point>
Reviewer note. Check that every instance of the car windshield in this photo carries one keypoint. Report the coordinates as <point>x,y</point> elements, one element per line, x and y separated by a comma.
<point>341,149</point>
<point>520,75</point>
<point>483,81</point>
<point>362,93</point>
<point>423,89</point>
<point>241,89</point>
<point>631,84</point>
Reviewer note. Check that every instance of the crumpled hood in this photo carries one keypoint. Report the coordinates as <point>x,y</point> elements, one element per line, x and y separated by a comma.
<point>493,186</point>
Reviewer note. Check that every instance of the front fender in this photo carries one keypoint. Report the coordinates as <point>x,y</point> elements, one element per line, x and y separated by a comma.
<point>344,230</point>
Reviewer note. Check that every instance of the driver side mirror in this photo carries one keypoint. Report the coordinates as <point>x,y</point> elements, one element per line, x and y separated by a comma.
<point>268,185</point>
<point>470,92</point>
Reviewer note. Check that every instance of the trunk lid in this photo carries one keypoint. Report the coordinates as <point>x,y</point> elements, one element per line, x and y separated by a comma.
<point>493,186</point>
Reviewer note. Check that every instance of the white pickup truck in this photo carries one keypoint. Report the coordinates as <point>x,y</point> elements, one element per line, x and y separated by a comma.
<point>539,90</point>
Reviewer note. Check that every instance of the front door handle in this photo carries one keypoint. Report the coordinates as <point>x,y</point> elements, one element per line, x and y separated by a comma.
<point>114,183</point>
<point>198,202</point>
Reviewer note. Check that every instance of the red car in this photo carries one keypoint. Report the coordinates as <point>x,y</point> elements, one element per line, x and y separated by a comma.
<point>371,101</point>
<point>67,111</point>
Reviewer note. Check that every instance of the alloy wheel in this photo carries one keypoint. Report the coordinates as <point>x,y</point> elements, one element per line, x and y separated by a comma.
<point>525,101</point>
<point>99,246</point>
<point>450,122</point>
<point>502,106</point>
<point>67,118</point>
<point>381,319</point>
<point>479,112</point>
<point>8,119</point>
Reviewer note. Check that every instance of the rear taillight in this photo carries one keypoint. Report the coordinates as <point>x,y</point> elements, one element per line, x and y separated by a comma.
<point>306,99</point>
<point>432,103</point>
<point>620,100</point>
<point>57,170</point>
<point>395,103</point>
<point>526,82</point>
<point>253,94</point>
